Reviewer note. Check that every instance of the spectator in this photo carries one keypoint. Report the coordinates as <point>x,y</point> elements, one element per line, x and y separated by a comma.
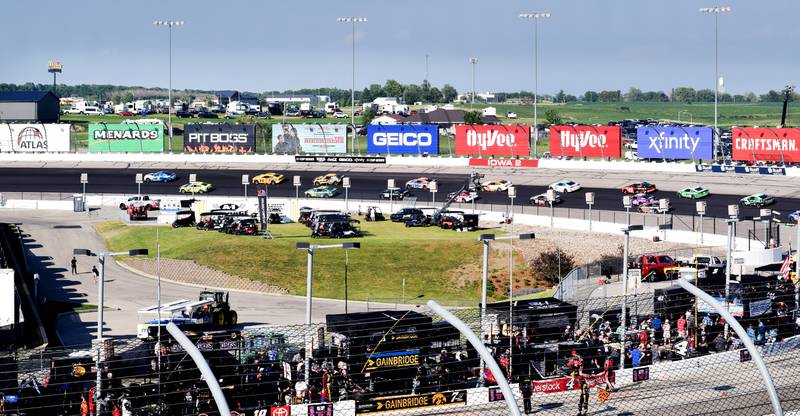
<point>761,333</point>
<point>719,343</point>
<point>751,333</point>
<point>666,327</point>
<point>682,327</point>
<point>707,321</point>
<point>527,392</point>
<point>635,355</point>
<point>608,373</point>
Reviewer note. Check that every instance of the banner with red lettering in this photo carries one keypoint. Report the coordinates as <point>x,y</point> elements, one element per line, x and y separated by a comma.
<point>504,163</point>
<point>493,141</point>
<point>558,385</point>
<point>753,144</point>
<point>589,141</point>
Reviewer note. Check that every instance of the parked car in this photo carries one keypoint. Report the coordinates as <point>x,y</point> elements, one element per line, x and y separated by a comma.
<point>328,179</point>
<point>72,110</point>
<point>511,114</point>
<point>419,220</point>
<point>93,111</point>
<point>653,267</point>
<point>160,176</point>
<point>195,188</point>
<point>322,192</point>
<point>405,214</point>
<point>757,200</point>
<point>125,114</point>
<point>183,114</point>
<point>262,115</point>
<point>207,114</point>
<point>565,186</point>
<point>541,200</point>
<point>696,192</point>
<point>340,114</point>
<point>293,113</point>
<point>396,194</point>
<point>639,188</point>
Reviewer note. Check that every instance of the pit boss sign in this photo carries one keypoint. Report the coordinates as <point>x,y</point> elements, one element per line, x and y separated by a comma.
<point>219,138</point>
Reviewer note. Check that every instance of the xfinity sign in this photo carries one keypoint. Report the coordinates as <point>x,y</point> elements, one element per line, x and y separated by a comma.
<point>675,142</point>
<point>402,139</point>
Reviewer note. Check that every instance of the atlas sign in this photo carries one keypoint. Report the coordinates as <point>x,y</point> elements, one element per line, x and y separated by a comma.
<point>764,144</point>
<point>674,142</point>
<point>589,141</point>
<point>493,141</point>
<point>402,139</point>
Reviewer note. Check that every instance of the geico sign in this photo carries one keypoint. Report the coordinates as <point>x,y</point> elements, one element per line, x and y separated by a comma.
<point>402,139</point>
<point>218,137</point>
<point>582,139</point>
<point>490,139</point>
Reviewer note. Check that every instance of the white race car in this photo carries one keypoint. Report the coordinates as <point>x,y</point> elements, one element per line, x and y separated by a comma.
<point>419,183</point>
<point>565,186</point>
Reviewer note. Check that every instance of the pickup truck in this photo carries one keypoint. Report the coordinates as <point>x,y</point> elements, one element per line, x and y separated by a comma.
<point>653,267</point>
<point>141,200</point>
<point>703,261</point>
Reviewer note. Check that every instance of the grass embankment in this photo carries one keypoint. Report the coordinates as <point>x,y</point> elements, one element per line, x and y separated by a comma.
<point>443,265</point>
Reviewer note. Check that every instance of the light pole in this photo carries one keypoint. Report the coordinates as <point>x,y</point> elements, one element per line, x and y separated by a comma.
<point>733,218</point>
<point>627,202</point>
<point>309,248</point>
<point>433,187</point>
<point>716,12</point>
<point>245,182</point>
<point>551,199</point>
<point>169,24</point>
<point>390,185</point>
<point>346,186</point>
<point>663,206</point>
<point>701,211</point>
<point>535,16</point>
<point>101,259</point>
<point>353,20</point>
<point>296,183</point>
<point>627,232</point>
<point>139,185</point>
<point>590,202</point>
<point>84,181</point>
<point>512,193</point>
<point>473,61</point>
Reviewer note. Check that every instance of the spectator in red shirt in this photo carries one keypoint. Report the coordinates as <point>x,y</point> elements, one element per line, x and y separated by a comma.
<point>682,327</point>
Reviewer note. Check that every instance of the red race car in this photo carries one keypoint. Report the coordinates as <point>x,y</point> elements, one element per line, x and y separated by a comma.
<point>639,188</point>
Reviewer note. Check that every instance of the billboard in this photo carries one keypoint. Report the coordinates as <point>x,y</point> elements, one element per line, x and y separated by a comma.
<point>589,141</point>
<point>29,138</point>
<point>309,138</point>
<point>403,140</point>
<point>493,140</point>
<point>765,144</point>
<point>219,138</point>
<point>126,138</point>
<point>675,142</point>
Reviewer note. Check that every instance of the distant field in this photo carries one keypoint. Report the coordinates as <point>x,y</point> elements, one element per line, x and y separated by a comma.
<point>441,264</point>
<point>745,114</point>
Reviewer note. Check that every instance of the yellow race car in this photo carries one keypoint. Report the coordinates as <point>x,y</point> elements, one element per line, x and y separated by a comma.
<point>269,178</point>
<point>329,179</point>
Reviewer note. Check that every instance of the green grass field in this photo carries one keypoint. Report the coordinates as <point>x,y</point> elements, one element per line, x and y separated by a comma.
<point>441,264</point>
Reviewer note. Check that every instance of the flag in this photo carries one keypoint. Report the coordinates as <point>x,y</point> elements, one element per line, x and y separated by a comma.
<point>786,267</point>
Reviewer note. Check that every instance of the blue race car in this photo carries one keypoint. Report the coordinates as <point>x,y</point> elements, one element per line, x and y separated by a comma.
<point>794,216</point>
<point>160,176</point>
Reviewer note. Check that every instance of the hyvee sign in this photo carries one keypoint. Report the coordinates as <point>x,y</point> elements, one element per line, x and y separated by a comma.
<point>34,138</point>
<point>403,139</point>
<point>590,141</point>
<point>753,144</point>
<point>493,141</point>
<point>219,138</point>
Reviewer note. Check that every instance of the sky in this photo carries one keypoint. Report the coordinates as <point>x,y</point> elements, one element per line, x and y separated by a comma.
<point>264,45</point>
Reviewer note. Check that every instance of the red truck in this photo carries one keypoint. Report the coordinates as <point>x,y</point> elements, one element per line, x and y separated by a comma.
<point>653,266</point>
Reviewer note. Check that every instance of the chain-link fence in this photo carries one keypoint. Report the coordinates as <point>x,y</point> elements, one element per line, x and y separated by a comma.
<point>660,351</point>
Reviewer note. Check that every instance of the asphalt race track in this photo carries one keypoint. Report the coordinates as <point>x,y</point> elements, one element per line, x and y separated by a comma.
<point>365,185</point>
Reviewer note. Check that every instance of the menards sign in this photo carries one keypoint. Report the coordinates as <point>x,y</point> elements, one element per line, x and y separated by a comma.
<point>126,138</point>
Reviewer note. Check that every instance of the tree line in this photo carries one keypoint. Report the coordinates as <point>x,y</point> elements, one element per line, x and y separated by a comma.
<point>410,93</point>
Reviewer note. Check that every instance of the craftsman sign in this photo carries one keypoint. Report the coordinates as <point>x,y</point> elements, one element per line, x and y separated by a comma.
<point>417,401</point>
<point>395,359</point>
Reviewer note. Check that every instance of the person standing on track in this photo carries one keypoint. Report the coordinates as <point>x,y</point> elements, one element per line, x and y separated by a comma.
<point>583,404</point>
<point>95,273</point>
<point>527,391</point>
<point>608,373</point>
<point>74,265</point>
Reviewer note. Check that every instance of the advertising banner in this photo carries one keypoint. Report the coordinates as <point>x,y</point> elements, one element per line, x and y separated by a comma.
<point>764,144</point>
<point>675,142</point>
<point>403,140</point>
<point>493,141</point>
<point>30,138</point>
<point>505,163</point>
<point>589,141</point>
<point>309,138</point>
<point>126,138</point>
<point>340,159</point>
<point>396,359</point>
<point>562,384</point>
<point>412,402</point>
<point>219,138</point>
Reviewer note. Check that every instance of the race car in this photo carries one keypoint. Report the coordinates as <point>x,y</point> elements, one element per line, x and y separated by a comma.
<point>642,199</point>
<point>541,200</point>
<point>322,192</point>
<point>327,179</point>
<point>394,193</point>
<point>757,200</point>
<point>639,188</point>
<point>694,193</point>
<point>195,188</point>
<point>143,200</point>
<point>269,178</point>
<point>464,196</point>
<point>419,183</point>
<point>654,207</point>
<point>498,185</point>
<point>160,176</point>
<point>794,216</point>
<point>565,186</point>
